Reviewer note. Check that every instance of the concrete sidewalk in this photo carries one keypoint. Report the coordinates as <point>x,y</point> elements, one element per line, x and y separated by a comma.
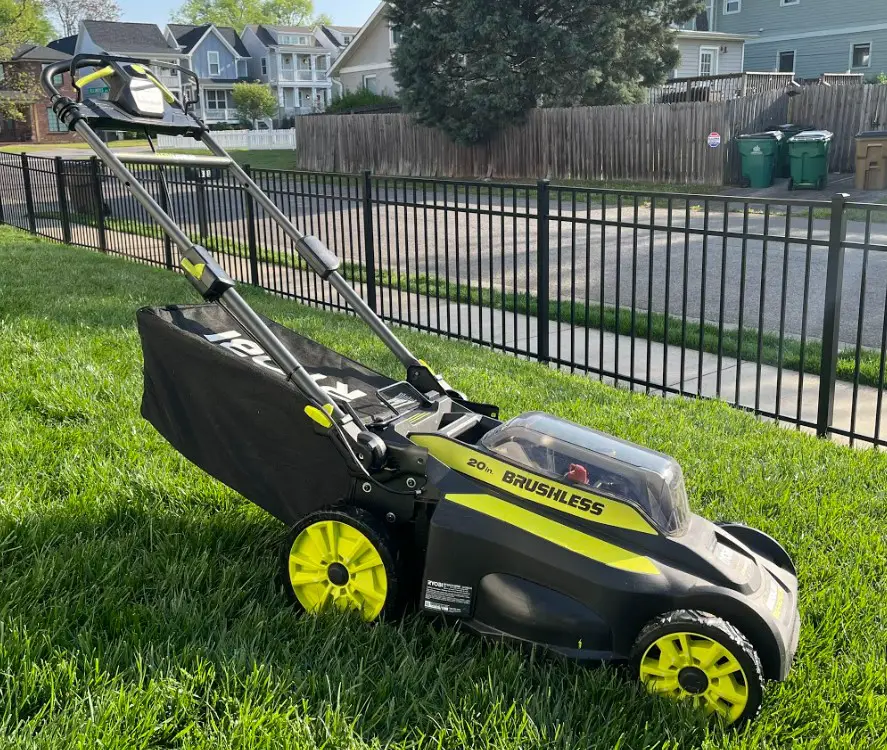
<point>615,359</point>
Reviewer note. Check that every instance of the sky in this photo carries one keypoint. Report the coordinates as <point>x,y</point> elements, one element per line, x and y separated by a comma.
<point>344,12</point>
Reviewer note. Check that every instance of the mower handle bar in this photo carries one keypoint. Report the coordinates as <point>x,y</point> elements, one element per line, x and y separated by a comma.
<point>321,260</point>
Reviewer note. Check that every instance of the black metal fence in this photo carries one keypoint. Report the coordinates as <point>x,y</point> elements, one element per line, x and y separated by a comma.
<point>775,306</point>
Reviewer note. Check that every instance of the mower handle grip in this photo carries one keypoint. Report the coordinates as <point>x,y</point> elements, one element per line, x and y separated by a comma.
<point>86,61</point>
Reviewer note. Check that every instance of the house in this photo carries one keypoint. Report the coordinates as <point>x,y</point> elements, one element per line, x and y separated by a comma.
<point>342,35</point>
<point>219,58</point>
<point>366,62</point>
<point>806,37</point>
<point>21,76</point>
<point>295,62</point>
<point>708,53</point>
<point>128,39</point>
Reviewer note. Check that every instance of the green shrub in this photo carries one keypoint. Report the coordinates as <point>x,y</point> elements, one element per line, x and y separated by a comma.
<point>360,99</point>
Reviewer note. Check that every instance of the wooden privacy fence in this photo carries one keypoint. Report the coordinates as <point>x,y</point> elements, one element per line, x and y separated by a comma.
<point>665,143</point>
<point>845,111</point>
<point>717,88</point>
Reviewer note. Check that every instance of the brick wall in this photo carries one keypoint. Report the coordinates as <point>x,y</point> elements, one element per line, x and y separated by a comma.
<point>36,125</point>
<point>40,128</point>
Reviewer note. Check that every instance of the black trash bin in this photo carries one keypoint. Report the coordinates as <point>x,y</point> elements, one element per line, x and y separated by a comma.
<point>82,195</point>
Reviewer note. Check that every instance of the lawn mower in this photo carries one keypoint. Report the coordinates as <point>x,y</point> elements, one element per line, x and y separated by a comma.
<point>533,530</point>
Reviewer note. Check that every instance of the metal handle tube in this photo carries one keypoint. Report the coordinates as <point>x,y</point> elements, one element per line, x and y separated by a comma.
<point>134,186</point>
<point>175,160</point>
<point>230,300</point>
<point>335,278</point>
<point>238,308</point>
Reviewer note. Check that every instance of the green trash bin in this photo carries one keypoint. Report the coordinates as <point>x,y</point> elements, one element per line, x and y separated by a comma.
<point>788,130</point>
<point>808,155</point>
<point>759,152</point>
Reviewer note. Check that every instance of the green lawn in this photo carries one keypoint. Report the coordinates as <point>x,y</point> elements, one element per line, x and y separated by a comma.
<point>34,147</point>
<point>138,606</point>
<point>257,159</point>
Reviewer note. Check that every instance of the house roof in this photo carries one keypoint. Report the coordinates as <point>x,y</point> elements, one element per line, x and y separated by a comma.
<point>66,44</point>
<point>329,35</point>
<point>346,29</point>
<point>188,35</point>
<point>264,35</point>
<point>233,38</point>
<point>355,43</point>
<point>133,38</point>
<point>293,29</point>
<point>713,36</point>
<point>37,53</point>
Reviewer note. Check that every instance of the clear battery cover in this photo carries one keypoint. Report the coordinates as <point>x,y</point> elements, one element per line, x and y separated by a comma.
<point>612,467</point>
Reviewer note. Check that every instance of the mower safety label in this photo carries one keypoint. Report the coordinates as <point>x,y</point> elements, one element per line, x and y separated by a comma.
<point>448,598</point>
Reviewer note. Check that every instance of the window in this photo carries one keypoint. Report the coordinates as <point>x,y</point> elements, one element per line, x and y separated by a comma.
<point>347,38</point>
<point>394,36</point>
<point>298,39</point>
<point>861,55</point>
<point>370,83</point>
<point>55,125</point>
<point>212,57</point>
<point>708,61</point>
<point>786,62</point>
<point>216,99</point>
<point>264,66</point>
<point>732,6</point>
<point>321,62</point>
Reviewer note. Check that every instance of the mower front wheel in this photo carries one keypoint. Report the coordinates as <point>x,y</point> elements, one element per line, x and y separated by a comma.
<point>695,656</point>
<point>340,558</point>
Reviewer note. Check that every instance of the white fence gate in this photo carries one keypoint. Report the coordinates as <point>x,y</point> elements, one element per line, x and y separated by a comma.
<point>250,139</point>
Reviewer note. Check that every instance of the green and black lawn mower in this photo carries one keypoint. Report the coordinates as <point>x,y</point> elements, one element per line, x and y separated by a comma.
<point>534,530</point>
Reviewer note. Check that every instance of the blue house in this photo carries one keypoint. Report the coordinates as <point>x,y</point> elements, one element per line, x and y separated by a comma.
<point>806,37</point>
<point>218,57</point>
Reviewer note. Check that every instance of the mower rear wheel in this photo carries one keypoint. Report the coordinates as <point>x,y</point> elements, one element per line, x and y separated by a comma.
<point>340,558</point>
<point>695,656</point>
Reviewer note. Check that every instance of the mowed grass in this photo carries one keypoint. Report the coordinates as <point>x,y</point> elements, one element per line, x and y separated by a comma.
<point>138,602</point>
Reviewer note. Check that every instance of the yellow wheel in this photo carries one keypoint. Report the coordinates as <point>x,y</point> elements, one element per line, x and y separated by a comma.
<point>697,657</point>
<point>341,559</point>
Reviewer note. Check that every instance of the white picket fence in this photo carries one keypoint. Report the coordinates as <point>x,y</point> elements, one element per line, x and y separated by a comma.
<point>249,139</point>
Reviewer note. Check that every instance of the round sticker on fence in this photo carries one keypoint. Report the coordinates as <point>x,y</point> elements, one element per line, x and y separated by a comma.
<point>714,140</point>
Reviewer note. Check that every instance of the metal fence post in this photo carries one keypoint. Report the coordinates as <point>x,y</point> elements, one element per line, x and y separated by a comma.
<point>251,232</point>
<point>368,243</point>
<point>202,222</point>
<point>62,191</point>
<point>164,204</point>
<point>542,271</point>
<point>831,320</point>
<point>29,195</point>
<point>99,201</point>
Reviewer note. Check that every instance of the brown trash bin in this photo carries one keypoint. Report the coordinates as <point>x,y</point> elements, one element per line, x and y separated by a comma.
<point>871,160</point>
<point>81,188</point>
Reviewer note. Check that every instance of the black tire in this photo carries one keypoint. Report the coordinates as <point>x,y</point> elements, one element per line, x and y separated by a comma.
<point>706,685</point>
<point>374,594</point>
